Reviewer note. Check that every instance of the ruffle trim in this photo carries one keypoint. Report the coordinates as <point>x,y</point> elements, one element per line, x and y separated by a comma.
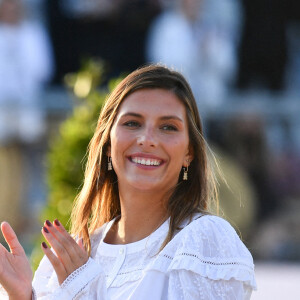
<point>185,252</point>
<point>212,269</point>
<point>215,270</point>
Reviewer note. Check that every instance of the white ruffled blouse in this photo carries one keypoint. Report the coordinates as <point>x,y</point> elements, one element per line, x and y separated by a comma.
<point>205,260</point>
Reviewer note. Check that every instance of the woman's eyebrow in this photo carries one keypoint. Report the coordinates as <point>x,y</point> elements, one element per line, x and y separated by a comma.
<point>133,114</point>
<point>171,117</point>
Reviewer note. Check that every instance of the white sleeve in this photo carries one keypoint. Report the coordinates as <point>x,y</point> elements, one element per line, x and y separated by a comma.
<point>85,283</point>
<point>187,285</point>
<point>207,260</point>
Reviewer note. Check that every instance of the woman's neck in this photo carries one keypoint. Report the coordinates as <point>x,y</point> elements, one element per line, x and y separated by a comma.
<point>141,214</point>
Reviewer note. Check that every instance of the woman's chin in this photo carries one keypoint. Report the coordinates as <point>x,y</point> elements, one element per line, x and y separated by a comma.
<point>146,185</point>
<point>154,185</point>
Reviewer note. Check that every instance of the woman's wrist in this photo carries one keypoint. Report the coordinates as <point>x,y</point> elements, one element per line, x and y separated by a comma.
<point>27,295</point>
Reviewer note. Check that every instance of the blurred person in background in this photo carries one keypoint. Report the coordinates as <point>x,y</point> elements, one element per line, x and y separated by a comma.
<point>199,38</point>
<point>113,31</point>
<point>25,66</point>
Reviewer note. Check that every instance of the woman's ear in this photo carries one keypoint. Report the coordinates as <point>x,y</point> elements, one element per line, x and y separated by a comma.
<point>108,151</point>
<point>189,156</point>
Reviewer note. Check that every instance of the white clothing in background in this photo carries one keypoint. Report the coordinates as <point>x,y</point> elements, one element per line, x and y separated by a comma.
<point>25,65</point>
<point>202,50</point>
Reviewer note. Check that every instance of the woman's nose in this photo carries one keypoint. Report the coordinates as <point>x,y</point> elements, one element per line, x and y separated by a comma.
<point>147,138</point>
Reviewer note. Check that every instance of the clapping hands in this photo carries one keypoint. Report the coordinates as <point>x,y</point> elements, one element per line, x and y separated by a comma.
<point>15,271</point>
<point>69,254</point>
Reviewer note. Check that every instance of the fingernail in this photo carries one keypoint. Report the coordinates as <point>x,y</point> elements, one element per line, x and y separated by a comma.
<point>45,229</point>
<point>48,223</point>
<point>44,245</point>
<point>57,223</point>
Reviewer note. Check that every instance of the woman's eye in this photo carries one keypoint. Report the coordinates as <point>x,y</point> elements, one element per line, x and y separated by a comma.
<point>132,124</point>
<point>169,128</point>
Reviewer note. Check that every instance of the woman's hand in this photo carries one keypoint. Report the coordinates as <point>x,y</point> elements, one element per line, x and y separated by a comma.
<point>69,254</point>
<point>15,271</point>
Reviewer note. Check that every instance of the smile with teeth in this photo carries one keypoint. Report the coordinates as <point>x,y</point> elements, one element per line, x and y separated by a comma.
<point>146,161</point>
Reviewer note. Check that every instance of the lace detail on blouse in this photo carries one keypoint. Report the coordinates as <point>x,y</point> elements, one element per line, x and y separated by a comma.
<point>73,275</point>
<point>203,261</point>
<point>183,285</point>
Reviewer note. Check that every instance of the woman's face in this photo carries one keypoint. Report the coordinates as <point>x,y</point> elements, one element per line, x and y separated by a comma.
<point>149,140</point>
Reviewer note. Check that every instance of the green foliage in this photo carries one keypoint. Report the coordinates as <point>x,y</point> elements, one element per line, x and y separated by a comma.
<point>66,157</point>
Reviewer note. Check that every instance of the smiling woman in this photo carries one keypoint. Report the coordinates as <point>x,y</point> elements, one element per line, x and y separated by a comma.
<point>141,220</point>
<point>149,144</point>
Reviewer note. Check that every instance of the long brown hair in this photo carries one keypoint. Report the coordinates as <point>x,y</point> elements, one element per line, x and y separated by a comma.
<point>98,202</point>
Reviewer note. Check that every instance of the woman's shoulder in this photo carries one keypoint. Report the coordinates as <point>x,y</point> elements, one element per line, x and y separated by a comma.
<point>210,236</point>
<point>209,246</point>
<point>209,226</point>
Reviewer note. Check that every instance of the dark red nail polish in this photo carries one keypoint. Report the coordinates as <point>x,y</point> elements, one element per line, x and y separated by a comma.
<point>48,223</point>
<point>44,245</point>
<point>56,222</point>
<point>45,229</point>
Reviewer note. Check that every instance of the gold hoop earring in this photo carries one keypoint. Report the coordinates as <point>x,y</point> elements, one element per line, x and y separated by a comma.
<point>109,164</point>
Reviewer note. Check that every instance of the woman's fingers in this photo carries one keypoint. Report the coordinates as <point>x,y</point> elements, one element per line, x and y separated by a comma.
<point>76,253</point>
<point>58,266</point>
<point>79,254</point>
<point>58,246</point>
<point>68,252</point>
<point>62,234</point>
<point>11,239</point>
